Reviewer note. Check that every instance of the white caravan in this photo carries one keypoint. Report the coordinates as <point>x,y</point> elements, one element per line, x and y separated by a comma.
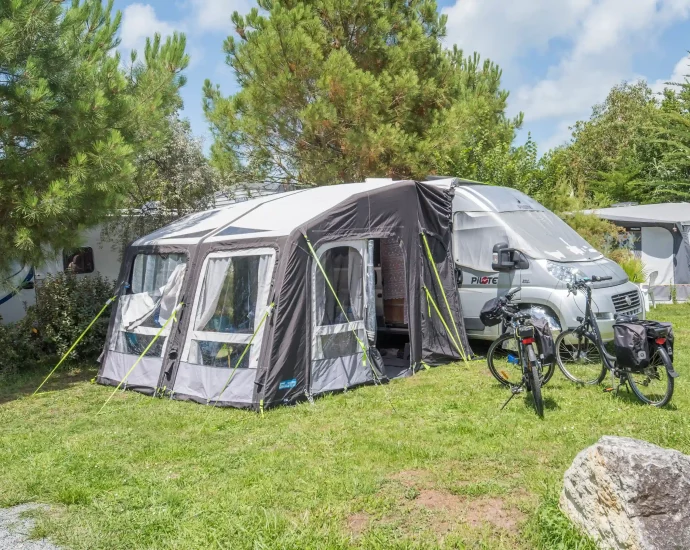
<point>502,238</point>
<point>95,256</point>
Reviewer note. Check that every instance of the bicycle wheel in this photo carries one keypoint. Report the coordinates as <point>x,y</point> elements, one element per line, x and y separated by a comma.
<point>504,361</point>
<point>579,358</point>
<point>653,385</point>
<point>535,383</point>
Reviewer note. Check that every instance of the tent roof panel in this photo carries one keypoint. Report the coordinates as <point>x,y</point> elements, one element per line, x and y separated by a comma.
<point>272,215</point>
<point>663,213</point>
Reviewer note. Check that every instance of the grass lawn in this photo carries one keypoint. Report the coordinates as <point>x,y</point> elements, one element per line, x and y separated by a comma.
<point>445,468</point>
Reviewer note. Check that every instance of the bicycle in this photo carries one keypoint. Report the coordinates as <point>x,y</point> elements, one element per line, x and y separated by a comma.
<point>582,356</point>
<point>513,359</point>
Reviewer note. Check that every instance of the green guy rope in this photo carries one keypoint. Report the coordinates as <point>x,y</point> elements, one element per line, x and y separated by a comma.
<point>110,301</point>
<point>239,361</point>
<point>335,295</point>
<point>445,298</point>
<point>172,317</point>
<point>431,301</point>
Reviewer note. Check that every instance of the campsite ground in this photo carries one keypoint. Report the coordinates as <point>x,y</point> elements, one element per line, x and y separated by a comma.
<point>425,462</point>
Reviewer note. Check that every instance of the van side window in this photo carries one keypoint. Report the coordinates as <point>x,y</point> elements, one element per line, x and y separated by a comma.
<point>78,260</point>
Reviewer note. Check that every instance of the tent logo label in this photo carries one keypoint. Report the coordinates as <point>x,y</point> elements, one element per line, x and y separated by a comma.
<point>287,384</point>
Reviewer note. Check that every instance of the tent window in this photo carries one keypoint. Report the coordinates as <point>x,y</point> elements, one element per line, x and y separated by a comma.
<point>154,293</point>
<point>229,307</point>
<point>152,271</point>
<point>343,267</point>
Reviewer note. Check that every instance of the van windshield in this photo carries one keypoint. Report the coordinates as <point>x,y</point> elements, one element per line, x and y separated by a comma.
<point>539,234</point>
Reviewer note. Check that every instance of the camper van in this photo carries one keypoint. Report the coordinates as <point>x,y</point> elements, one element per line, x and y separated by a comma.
<point>502,238</point>
<point>96,256</point>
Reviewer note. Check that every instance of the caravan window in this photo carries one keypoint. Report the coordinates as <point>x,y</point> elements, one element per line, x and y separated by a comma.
<point>343,267</point>
<point>154,292</point>
<point>78,261</point>
<point>229,307</point>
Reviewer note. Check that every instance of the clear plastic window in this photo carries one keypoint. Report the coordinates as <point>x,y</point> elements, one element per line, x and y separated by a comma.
<point>343,267</point>
<point>152,297</point>
<point>229,308</point>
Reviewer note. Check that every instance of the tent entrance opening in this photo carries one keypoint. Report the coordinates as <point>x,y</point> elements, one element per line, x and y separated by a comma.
<point>392,333</point>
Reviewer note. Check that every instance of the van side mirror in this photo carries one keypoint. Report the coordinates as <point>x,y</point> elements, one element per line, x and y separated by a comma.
<point>507,259</point>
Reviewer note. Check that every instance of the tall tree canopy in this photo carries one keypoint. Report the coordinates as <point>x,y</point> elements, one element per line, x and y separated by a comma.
<point>72,119</point>
<point>634,147</point>
<point>337,91</point>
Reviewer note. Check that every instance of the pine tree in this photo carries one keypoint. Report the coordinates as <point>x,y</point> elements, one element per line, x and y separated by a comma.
<point>338,91</point>
<point>72,119</point>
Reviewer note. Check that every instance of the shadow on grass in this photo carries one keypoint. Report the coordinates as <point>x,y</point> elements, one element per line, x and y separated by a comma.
<point>24,383</point>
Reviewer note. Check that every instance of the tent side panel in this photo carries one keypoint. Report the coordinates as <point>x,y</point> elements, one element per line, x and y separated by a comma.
<point>143,378</point>
<point>204,384</point>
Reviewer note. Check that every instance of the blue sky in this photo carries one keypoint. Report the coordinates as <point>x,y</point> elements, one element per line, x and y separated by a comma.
<point>559,57</point>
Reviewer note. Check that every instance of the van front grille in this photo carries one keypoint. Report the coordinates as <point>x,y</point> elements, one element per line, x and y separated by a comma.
<point>627,302</point>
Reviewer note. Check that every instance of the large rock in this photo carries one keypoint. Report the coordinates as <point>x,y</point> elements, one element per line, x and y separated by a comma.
<point>630,494</point>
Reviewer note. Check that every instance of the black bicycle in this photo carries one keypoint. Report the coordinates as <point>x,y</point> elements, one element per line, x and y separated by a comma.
<point>513,358</point>
<point>582,356</point>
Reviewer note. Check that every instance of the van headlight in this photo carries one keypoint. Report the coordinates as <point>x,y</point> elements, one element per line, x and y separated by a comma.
<point>563,272</point>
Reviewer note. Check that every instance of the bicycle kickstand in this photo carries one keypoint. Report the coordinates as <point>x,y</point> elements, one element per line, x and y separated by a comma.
<point>513,392</point>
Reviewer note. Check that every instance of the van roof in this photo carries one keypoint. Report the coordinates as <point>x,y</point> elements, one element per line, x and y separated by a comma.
<point>492,198</point>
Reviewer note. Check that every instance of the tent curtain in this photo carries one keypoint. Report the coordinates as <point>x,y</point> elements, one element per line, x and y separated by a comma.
<point>344,268</point>
<point>214,280</point>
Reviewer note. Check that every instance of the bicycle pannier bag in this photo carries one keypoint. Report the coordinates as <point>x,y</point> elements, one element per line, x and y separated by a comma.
<point>658,329</point>
<point>490,314</point>
<point>545,343</point>
<point>632,347</point>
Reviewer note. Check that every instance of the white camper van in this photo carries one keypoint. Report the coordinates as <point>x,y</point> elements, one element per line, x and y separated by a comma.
<point>502,238</point>
<point>96,256</point>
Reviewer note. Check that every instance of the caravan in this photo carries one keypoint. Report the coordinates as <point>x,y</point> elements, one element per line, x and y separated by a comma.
<point>96,256</point>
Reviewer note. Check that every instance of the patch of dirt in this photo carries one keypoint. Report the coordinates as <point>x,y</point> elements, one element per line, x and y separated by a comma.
<point>357,523</point>
<point>434,500</point>
<point>492,510</point>
<point>411,478</point>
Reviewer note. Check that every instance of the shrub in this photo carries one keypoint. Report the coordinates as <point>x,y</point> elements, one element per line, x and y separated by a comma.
<point>634,267</point>
<point>65,305</point>
<point>18,345</point>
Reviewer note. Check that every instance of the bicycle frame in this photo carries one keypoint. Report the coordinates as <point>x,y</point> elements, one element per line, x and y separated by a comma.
<point>590,328</point>
<point>525,349</point>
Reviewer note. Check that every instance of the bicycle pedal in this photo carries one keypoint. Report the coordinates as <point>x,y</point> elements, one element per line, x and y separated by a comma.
<point>609,390</point>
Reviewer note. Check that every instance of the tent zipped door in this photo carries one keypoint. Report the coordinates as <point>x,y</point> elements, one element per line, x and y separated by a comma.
<point>338,317</point>
<point>225,330</point>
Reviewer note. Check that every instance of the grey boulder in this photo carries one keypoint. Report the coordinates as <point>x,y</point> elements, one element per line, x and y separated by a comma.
<point>630,494</point>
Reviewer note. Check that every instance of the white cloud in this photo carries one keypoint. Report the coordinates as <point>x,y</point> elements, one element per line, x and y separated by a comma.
<point>214,15</point>
<point>139,21</point>
<point>681,72</point>
<point>603,38</point>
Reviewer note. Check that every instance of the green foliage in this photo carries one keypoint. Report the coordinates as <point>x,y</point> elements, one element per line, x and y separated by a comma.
<point>18,345</point>
<point>338,92</point>
<point>173,178</point>
<point>634,267</point>
<point>72,120</point>
<point>65,305</point>
<point>550,529</point>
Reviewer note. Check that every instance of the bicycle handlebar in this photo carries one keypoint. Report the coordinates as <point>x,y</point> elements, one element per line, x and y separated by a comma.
<point>582,283</point>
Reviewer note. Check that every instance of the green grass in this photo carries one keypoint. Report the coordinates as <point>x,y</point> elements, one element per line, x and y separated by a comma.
<point>446,468</point>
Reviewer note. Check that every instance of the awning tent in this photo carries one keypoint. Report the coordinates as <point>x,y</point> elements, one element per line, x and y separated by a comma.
<point>275,295</point>
<point>661,231</point>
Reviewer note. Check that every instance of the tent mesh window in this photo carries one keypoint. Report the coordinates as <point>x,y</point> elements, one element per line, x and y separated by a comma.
<point>154,288</point>
<point>344,269</point>
<point>228,310</point>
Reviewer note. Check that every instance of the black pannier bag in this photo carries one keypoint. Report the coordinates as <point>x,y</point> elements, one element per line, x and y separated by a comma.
<point>491,314</point>
<point>631,345</point>
<point>545,343</point>
<point>658,329</point>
